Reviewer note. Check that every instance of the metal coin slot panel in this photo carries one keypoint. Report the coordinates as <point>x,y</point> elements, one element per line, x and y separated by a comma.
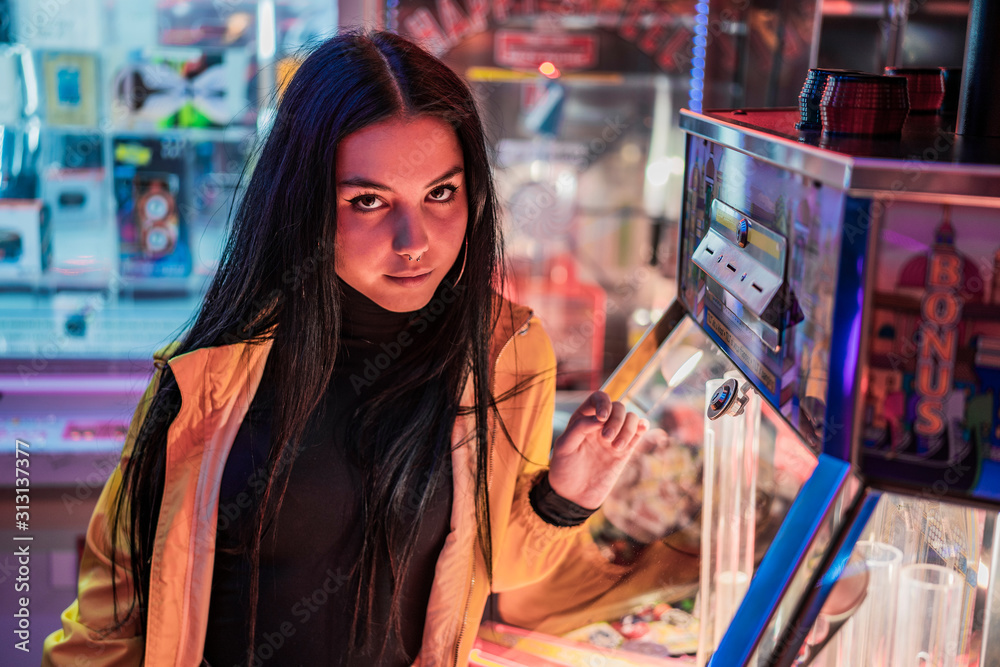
<point>749,262</point>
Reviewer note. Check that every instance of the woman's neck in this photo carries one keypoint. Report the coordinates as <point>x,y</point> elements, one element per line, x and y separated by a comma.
<point>366,321</point>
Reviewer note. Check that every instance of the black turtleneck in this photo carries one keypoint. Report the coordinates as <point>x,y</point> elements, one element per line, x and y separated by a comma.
<point>305,604</point>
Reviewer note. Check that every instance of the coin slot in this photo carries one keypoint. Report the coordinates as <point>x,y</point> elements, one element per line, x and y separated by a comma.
<point>709,250</point>
<point>731,267</point>
<point>757,287</point>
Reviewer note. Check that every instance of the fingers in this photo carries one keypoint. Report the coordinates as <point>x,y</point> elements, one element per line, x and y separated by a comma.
<point>597,404</point>
<point>629,429</point>
<point>608,420</point>
<point>615,422</point>
<point>623,428</point>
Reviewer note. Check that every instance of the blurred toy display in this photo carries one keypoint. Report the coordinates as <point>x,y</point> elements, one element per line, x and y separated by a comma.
<point>173,199</point>
<point>573,312</point>
<point>651,629</point>
<point>167,89</point>
<point>128,124</point>
<point>25,241</point>
<point>212,24</point>
<point>152,234</point>
<point>71,90</point>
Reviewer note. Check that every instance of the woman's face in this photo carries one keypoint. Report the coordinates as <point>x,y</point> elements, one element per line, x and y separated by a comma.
<point>400,196</point>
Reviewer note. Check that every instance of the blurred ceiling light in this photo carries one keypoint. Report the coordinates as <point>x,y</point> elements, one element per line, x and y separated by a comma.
<point>549,70</point>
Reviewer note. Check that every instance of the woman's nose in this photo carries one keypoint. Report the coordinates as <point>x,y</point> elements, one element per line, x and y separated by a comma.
<point>410,237</point>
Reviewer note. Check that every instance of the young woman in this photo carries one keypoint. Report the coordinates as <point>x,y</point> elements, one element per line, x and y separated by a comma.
<point>350,447</point>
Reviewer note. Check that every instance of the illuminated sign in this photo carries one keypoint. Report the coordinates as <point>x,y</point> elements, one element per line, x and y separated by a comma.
<point>941,311</point>
<point>659,29</point>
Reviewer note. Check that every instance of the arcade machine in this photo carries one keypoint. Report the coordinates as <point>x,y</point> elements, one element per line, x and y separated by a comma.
<point>824,484</point>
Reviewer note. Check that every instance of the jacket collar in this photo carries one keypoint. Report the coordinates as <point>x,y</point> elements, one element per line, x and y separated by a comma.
<point>509,318</point>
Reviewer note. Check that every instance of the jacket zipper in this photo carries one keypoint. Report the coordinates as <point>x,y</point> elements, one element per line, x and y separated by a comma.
<point>468,601</point>
<point>489,481</point>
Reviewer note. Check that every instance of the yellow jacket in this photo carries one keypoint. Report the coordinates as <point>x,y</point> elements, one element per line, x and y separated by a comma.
<point>217,385</point>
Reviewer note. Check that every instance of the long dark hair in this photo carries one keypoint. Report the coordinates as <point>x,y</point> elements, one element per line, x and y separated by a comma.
<point>276,281</point>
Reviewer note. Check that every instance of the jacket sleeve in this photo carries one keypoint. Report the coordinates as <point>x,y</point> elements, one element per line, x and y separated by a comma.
<point>531,547</point>
<point>84,637</point>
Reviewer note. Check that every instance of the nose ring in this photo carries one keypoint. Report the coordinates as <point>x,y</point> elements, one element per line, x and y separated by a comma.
<point>410,257</point>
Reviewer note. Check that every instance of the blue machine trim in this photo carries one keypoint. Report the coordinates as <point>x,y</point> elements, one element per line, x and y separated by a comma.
<point>833,573</point>
<point>988,485</point>
<point>781,561</point>
<point>845,338</point>
<point>854,532</point>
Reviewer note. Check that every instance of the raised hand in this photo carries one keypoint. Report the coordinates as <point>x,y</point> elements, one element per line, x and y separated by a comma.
<point>591,453</point>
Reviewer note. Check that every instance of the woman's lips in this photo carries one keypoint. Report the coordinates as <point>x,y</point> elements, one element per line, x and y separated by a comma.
<point>410,281</point>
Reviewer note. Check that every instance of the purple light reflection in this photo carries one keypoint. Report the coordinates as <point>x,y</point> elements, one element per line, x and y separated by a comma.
<point>849,373</point>
<point>851,357</point>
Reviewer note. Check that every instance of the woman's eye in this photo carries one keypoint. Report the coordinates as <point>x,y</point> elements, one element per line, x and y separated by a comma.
<point>443,193</point>
<point>366,202</point>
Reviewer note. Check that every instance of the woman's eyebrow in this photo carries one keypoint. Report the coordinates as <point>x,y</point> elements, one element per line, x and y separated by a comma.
<point>365,183</point>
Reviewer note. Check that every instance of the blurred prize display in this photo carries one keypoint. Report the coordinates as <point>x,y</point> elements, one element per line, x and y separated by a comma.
<point>179,83</point>
<point>154,242</point>
<point>209,23</point>
<point>178,88</point>
<point>25,241</point>
<point>71,88</point>
<point>81,231</point>
<point>573,312</point>
<point>75,196</point>
<point>173,201</point>
<point>124,128</point>
<point>77,25</point>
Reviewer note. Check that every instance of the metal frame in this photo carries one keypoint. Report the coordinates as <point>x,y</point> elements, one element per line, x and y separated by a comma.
<point>932,173</point>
